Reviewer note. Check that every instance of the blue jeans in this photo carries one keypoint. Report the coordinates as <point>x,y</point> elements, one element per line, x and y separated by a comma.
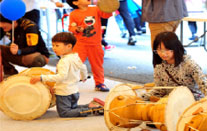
<point>123,10</point>
<point>193,27</point>
<point>67,106</point>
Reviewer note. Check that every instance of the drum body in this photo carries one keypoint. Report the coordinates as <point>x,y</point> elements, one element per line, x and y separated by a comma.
<point>194,117</point>
<point>108,6</point>
<point>37,71</point>
<point>21,100</point>
<point>124,110</point>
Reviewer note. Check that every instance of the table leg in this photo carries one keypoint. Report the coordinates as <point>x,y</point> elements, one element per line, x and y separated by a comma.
<point>181,32</point>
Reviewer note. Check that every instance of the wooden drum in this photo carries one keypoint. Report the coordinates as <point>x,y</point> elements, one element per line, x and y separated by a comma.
<point>194,118</point>
<point>21,100</point>
<point>37,71</point>
<point>124,109</point>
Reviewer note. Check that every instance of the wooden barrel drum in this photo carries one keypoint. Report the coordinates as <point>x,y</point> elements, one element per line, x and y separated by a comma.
<point>21,100</point>
<point>194,118</point>
<point>125,110</point>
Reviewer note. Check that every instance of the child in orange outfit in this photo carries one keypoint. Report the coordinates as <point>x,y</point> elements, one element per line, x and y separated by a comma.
<point>85,24</point>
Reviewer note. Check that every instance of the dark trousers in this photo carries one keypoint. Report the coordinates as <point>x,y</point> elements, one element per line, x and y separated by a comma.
<point>67,106</point>
<point>30,60</point>
<point>128,21</point>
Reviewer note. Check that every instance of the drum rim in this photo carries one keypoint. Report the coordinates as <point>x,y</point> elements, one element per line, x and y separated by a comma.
<point>188,112</point>
<point>45,99</point>
<point>108,100</point>
<point>169,112</point>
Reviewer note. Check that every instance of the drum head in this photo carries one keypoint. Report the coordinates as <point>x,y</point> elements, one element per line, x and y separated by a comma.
<point>187,114</point>
<point>179,99</point>
<point>108,6</point>
<point>37,71</point>
<point>21,100</point>
<point>121,89</point>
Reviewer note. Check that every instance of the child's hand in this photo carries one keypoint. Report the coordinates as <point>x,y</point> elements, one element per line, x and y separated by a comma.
<point>79,29</point>
<point>34,80</point>
<point>84,80</point>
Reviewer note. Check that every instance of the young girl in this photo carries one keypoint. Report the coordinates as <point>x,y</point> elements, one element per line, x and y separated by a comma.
<point>173,67</point>
<point>70,70</point>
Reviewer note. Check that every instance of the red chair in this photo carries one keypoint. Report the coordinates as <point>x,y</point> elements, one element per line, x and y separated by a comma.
<point>65,15</point>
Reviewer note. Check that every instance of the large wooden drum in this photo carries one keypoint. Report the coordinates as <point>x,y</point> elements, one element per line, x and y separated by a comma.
<point>124,110</point>
<point>21,100</point>
<point>194,118</point>
<point>37,71</point>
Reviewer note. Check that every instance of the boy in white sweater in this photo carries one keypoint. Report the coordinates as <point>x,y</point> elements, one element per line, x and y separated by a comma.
<point>70,70</point>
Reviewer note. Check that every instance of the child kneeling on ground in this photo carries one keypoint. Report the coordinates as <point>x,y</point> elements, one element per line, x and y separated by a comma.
<point>70,70</point>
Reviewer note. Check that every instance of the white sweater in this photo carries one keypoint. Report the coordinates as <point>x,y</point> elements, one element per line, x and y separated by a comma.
<point>70,70</point>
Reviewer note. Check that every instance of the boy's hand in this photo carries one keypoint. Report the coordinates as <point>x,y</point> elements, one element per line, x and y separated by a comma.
<point>79,29</point>
<point>34,80</point>
<point>52,91</point>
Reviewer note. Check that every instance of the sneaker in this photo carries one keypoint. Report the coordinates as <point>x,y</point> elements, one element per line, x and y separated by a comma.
<point>101,87</point>
<point>109,47</point>
<point>132,40</point>
<point>139,32</point>
<point>97,111</point>
<point>194,38</point>
<point>143,30</point>
<point>123,35</point>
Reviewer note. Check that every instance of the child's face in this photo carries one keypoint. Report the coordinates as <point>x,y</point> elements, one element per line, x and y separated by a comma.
<point>61,49</point>
<point>165,54</point>
<point>82,2</point>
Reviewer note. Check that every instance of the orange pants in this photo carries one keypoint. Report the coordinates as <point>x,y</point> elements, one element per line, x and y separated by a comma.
<point>95,55</point>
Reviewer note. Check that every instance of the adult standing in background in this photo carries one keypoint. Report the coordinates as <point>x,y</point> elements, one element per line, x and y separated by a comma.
<point>128,21</point>
<point>163,15</point>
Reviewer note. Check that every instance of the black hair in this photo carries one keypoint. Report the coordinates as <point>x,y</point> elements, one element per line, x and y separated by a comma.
<point>3,19</point>
<point>70,2</point>
<point>64,37</point>
<point>171,42</point>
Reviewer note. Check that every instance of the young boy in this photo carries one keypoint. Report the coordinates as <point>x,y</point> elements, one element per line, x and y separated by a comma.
<point>85,23</point>
<point>70,70</point>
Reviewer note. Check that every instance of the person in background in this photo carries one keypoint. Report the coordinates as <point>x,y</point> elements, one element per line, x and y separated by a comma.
<point>120,24</point>
<point>173,67</point>
<point>27,47</point>
<point>163,15</point>
<point>85,23</point>
<point>70,70</point>
<point>128,21</point>
<point>33,9</point>
<point>193,8</point>
<point>104,23</point>
<point>135,11</point>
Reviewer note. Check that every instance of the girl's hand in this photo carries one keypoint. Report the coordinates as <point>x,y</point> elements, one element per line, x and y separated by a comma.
<point>34,80</point>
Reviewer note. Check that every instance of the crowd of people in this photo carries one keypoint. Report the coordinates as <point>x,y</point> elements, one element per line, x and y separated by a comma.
<point>84,39</point>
